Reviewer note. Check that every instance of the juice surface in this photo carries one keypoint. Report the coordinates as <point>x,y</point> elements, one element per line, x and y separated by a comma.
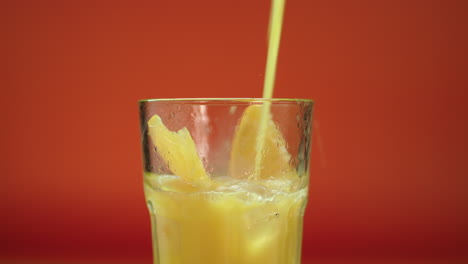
<point>237,222</point>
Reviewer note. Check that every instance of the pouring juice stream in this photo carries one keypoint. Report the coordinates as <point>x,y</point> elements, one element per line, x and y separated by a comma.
<point>275,26</point>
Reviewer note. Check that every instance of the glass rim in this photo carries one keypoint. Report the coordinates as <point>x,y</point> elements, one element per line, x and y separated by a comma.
<point>231,100</point>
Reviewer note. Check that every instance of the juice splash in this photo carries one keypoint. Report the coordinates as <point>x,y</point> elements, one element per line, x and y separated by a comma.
<point>179,152</point>
<point>243,162</point>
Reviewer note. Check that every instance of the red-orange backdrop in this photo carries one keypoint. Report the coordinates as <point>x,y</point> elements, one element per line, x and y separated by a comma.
<point>389,174</point>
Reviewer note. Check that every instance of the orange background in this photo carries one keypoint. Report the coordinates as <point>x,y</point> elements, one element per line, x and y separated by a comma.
<point>389,173</point>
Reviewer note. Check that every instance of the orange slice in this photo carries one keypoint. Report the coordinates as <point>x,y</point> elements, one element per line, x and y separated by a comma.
<point>275,157</point>
<point>179,152</point>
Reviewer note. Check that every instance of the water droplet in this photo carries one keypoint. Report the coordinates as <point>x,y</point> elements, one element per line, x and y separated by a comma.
<point>232,110</point>
<point>150,207</point>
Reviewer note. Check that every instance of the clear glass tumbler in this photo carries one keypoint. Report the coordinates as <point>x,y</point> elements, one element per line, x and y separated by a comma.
<point>226,180</point>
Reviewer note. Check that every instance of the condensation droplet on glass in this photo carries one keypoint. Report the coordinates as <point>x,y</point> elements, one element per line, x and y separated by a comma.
<point>293,162</point>
<point>150,207</point>
<point>232,109</point>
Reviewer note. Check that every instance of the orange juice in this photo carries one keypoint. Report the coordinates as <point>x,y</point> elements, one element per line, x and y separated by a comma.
<point>239,221</point>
